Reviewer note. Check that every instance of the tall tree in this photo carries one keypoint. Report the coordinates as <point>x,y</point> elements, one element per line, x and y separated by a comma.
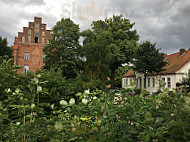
<point>148,59</point>
<point>4,48</point>
<point>62,50</point>
<point>119,38</point>
<point>97,54</point>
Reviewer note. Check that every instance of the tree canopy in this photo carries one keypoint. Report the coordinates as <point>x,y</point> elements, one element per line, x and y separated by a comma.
<point>4,48</point>
<point>97,54</point>
<point>119,39</point>
<point>62,50</point>
<point>148,59</point>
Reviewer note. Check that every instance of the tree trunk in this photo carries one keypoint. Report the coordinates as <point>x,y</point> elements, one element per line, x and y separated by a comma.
<point>112,78</point>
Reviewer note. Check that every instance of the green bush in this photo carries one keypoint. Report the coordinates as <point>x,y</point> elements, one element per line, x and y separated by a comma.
<point>42,107</point>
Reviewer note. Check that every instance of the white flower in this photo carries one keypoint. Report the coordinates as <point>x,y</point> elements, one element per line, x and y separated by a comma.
<point>52,106</point>
<point>21,98</point>
<point>94,98</point>
<point>33,106</point>
<point>39,89</point>
<point>36,80</point>
<point>17,90</point>
<point>38,75</point>
<point>18,123</point>
<point>84,101</point>
<point>58,126</point>
<point>87,91</point>
<point>9,90</point>
<point>72,101</point>
<point>63,102</point>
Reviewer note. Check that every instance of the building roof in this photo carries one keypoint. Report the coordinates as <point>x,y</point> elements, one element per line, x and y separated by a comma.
<point>174,63</point>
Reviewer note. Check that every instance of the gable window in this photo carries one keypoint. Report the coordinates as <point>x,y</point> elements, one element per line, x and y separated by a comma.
<point>153,82</point>
<point>26,69</point>
<point>26,56</point>
<point>169,82</point>
<point>148,82</point>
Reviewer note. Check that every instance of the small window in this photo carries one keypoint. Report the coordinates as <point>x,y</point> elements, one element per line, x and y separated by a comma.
<point>36,35</point>
<point>26,69</point>
<point>26,56</point>
<point>131,81</point>
<point>148,82</point>
<point>164,81</point>
<point>126,81</point>
<point>36,40</point>
<point>153,82</point>
<point>144,82</point>
<point>169,82</point>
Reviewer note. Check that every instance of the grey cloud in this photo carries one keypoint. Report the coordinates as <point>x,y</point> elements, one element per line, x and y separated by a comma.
<point>166,22</point>
<point>163,21</point>
<point>24,2</point>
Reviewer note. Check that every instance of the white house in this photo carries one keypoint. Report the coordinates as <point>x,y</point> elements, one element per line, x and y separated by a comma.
<point>178,67</point>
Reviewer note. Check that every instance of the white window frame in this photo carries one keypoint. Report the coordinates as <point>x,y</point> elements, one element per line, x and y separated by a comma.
<point>148,82</point>
<point>26,56</point>
<point>164,79</point>
<point>169,82</point>
<point>26,69</point>
<point>131,80</point>
<point>126,81</point>
<point>153,82</point>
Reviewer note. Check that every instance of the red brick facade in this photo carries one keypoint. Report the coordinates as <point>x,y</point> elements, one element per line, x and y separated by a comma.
<point>28,46</point>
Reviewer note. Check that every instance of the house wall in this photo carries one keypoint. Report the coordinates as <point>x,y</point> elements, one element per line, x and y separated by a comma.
<point>127,82</point>
<point>185,69</point>
<point>174,78</point>
<point>25,43</point>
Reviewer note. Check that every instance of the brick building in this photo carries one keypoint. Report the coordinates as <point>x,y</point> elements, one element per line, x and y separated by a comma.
<point>28,46</point>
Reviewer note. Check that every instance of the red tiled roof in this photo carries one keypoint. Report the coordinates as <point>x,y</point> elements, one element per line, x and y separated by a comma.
<point>175,62</point>
<point>129,74</point>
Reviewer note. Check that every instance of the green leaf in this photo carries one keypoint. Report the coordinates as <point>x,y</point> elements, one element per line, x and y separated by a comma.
<point>148,116</point>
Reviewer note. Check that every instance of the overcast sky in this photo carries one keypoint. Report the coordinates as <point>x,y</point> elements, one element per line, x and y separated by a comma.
<point>166,22</point>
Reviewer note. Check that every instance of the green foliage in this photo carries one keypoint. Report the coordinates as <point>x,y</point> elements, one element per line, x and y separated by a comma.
<point>97,55</point>
<point>4,49</point>
<point>62,50</point>
<point>148,58</point>
<point>184,86</point>
<point>41,107</point>
<point>116,36</point>
<point>118,75</point>
<point>48,107</point>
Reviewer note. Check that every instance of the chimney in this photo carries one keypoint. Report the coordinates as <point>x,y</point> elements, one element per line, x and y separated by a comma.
<point>181,51</point>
